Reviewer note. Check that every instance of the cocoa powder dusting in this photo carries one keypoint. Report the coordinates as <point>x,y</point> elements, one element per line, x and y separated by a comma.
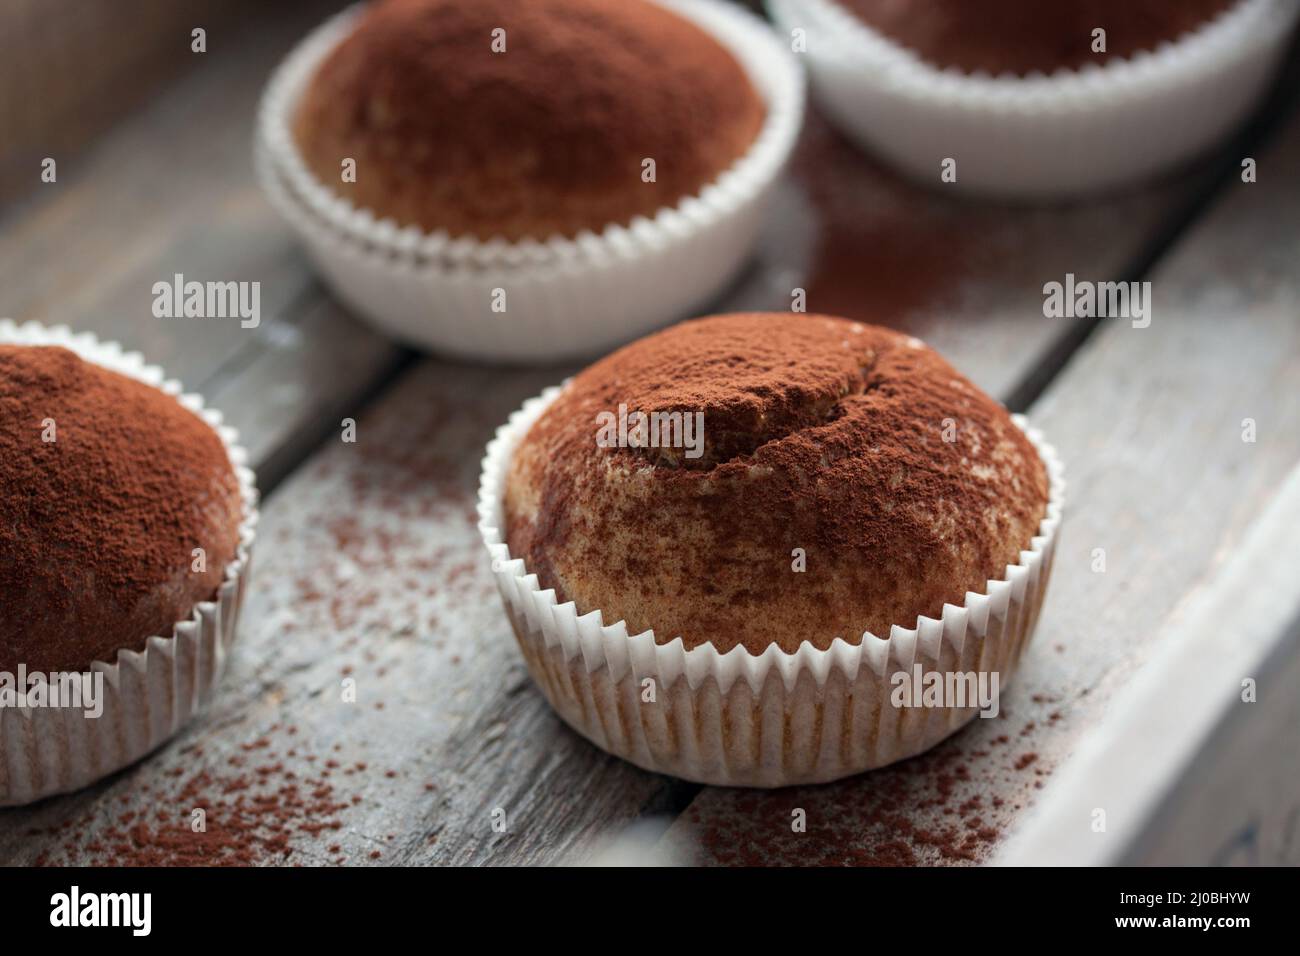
<point>98,525</point>
<point>450,134</point>
<point>819,434</point>
<point>1024,36</point>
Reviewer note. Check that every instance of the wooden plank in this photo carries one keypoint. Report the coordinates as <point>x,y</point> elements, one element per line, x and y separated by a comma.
<point>287,389</point>
<point>369,566</point>
<point>1211,778</point>
<point>172,191</point>
<point>1150,425</point>
<point>68,71</point>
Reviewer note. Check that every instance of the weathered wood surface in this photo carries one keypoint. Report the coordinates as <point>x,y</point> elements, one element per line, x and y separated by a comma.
<point>1226,753</point>
<point>368,564</point>
<point>68,70</point>
<point>1150,425</point>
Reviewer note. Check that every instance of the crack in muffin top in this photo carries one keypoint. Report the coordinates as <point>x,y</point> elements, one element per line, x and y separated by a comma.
<point>904,484</point>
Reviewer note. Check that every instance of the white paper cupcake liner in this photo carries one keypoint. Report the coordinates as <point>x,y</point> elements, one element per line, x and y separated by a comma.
<point>148,694</point>
<point>770,720</point>
<point>564,297</point>
<point>1073,132</point>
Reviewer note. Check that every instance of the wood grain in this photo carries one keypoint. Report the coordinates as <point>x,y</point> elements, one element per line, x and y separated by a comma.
<point>69,70</point>
<point>1149,423</point>
<point>1211,779</point>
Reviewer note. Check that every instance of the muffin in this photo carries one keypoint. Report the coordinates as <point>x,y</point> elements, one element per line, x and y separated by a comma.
<point>481,177</point>
<point>542,133</point>
<point>841,486</point>
<point>1010,98</point>
<point>124,529</point>
<point>819,434</point>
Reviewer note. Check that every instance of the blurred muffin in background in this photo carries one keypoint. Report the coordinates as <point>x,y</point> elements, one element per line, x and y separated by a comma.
<point>489,118</point>
<point>1038,99</point>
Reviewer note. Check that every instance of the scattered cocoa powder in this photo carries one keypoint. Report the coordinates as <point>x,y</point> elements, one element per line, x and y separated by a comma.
<point>893,818</point>
<point>932,809</point>
<point>250,817</point>
<point>886,252</point>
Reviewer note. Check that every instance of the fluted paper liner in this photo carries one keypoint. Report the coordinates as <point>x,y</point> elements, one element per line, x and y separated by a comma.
<point>1071,132</point>
<point>769,720</point>
<point>564,297</point>
<point>149,694</point>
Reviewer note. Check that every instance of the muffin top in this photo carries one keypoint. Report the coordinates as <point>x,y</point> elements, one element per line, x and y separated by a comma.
<point>1023,36</point>
<point>900,484</point>
<point>106,486</point>
<point>546,135</point>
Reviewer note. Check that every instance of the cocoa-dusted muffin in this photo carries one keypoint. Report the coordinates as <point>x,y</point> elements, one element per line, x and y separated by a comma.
<point>848,480</point>
<point>546,136</point>
<point>107,485</point>
<point>1025,36</point>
